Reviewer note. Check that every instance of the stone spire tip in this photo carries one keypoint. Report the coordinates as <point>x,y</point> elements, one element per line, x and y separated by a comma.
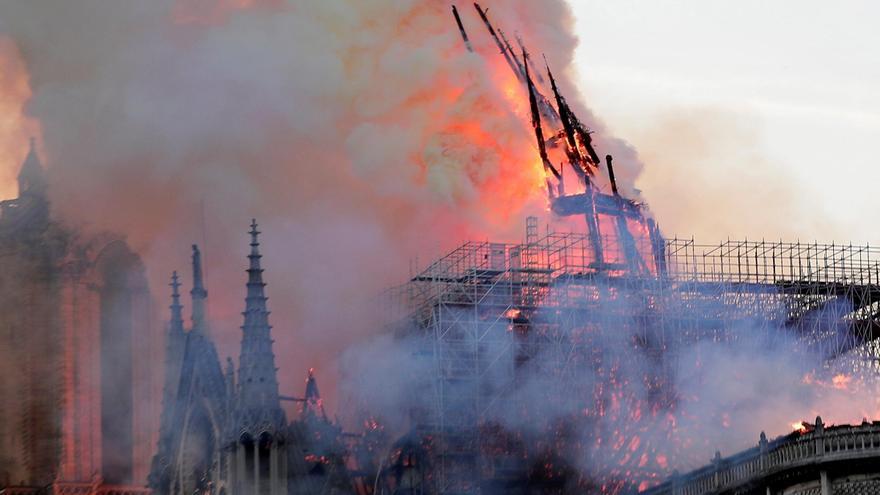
<point>175,284</point>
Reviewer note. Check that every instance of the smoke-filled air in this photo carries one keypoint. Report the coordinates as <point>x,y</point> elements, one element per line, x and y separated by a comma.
<point>368,140</point>
<point>361,134</point>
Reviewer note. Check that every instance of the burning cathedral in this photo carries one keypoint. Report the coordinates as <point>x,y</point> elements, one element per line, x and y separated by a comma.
<point>78,351</point>
<point>546,366</point>
<point>226,434</point>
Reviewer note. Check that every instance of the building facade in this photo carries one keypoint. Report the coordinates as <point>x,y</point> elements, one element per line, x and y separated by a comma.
<point>227,433</point>
<point>76,345</point>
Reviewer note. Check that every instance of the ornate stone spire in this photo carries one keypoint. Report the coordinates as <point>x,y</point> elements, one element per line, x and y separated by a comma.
<point>257,378</point>
<point>229,376</point>
<point>198,292</point>
<point>31,177</point>
<point>174,349</point>
<point>176,322</point>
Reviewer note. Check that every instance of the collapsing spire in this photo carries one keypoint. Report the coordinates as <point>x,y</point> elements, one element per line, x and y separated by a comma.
<point>582,159</point>
<point>539,132</point>
<point>198,292</point>
<point>501,47</point>
<point>580,162</point>
<point>581,156</point>
<point>257,378</point>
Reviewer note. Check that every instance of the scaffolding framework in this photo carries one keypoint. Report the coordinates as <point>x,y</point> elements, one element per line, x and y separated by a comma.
<point>486,311</point>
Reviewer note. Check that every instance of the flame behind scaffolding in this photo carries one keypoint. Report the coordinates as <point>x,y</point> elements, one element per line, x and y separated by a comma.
<point>569,146</point>
<point>497,318</point>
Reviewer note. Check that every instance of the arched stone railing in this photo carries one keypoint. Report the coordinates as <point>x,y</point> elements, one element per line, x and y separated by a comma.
<point>63,488</point>
<point>816,446</point>
<point>122,490</point>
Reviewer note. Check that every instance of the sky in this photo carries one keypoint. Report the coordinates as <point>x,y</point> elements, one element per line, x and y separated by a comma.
<point>754,118</point>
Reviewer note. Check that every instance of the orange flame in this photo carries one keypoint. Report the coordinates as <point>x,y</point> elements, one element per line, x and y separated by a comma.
<point>841,381</point>
<point>15,126</point>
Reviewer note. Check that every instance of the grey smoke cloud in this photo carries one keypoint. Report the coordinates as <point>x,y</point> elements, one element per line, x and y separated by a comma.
<point>744,375</point>
<point>338,125</point>
<point>360,134</point>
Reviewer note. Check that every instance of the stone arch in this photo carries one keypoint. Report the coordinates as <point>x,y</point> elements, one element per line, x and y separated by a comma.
<point>246,444</point>
<point>198,452</point>
<point>121,286</point>
<point>265,442</point>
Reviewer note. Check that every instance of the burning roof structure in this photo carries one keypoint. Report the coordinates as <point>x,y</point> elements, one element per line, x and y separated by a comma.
<point>558,364</point>
<point>553,363</point>
<point>569,146</point>
<point>529,342</point>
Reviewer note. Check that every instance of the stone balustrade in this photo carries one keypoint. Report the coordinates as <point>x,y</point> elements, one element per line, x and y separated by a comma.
<point>815,447</point>
<point>66,488</point>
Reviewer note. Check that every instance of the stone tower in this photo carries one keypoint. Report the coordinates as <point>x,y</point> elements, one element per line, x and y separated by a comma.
<point>258,423</point>
<point>195,406</point>
<point>228,434</point>
<point>77,348</point>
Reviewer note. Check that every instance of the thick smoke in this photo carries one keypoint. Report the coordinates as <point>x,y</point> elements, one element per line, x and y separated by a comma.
<point>609,405</point>
<point>359,133</point>
<point>705,156</point>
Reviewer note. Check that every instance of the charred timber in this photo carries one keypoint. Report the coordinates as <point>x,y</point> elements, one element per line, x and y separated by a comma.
<point>608,160</point>
<point>514,63</point>
<point>544,105</point>
<point>497,40</point>
<point>519,65</point>
<point>584,135</point>
<point>658,244</point>
<point>591,204</point>
<point>578,162</point>
<point>464,36</point>
<point>532,67</point>
<point>572,126</point>
<point>539,134</point>
<point>605,204</point>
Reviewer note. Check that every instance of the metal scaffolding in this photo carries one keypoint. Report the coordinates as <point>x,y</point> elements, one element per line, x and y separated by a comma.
<point>495,318</point>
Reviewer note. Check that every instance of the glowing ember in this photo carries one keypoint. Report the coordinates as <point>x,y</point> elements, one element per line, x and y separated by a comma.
<point>512,313</point>
<point>841,381</point>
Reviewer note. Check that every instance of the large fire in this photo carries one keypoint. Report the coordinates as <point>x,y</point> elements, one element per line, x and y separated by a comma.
<point>429,140</point>
<point>15,126</point>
